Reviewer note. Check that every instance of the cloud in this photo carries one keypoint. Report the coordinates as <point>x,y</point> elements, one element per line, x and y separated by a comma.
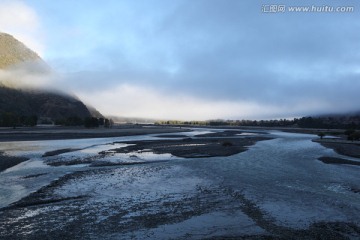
<point>138,101</point>
<point>20,20</point>
<point>205,58</point>
<point>32,75</point>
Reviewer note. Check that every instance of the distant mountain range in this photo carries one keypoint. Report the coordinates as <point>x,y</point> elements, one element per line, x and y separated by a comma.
<point>24,102</point>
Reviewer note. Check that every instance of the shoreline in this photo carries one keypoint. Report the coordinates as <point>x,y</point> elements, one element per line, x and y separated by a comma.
<point>10,161</point>
<point>342,147</point>
<point>67,133</point>
<point>63,133</point>
<point>211,146</point>
<point>334,160</point>
<point>191,147</point>
<point>60,132</point>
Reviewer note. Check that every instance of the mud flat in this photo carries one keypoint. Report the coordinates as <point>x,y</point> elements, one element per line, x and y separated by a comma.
<point>343,147</point>
<point>192,147</point>
<point>333,160</point>
<point>223,143</point>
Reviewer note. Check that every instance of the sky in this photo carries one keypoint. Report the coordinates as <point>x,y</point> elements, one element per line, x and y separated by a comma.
<point>196,59</point>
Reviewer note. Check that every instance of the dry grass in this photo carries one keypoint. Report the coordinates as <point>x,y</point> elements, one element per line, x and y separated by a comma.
<point>13,51</point>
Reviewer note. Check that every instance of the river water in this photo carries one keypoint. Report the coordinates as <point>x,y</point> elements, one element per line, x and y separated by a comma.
<point>275,184</point>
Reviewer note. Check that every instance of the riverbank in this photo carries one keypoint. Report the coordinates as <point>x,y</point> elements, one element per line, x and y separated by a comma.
<point>58,132</point>
<point>315,131</point>
<point>10,161</point>
<point>63,133</point>
<point>341,146</point>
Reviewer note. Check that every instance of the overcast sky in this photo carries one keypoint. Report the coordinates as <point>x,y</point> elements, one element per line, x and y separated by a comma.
<point>196,59</point>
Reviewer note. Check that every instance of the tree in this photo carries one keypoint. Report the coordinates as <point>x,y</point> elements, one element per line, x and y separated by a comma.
<point>321,135</point>
<point>9,119</point>
<point>354,136</point>
<point>74,121</point>
<point>101,121</point>
<point>348,132</point>
<point>91,122</point>
<point>107,123</point>
<point>30,121</point>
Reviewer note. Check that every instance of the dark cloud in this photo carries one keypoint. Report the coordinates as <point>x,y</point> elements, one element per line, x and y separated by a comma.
<point>226,51</point>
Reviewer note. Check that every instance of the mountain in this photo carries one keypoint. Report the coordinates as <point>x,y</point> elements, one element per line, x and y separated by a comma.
<point>24,102</point>
<point>14,52</point>
<point>41,104</point>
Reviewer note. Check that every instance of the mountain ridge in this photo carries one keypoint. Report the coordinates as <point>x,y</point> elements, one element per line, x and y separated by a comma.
<point>19,101</point>
<point>13,52</point>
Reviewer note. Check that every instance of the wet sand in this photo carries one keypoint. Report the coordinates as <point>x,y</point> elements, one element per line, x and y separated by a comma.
<point>346,148</point>
<point>342,147</point>
<point>193,147</point>
<point>332,160</point>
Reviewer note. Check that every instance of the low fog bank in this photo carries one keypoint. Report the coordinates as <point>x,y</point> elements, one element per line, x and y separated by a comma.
<point>135,94</point>
<point>34,76</point>
<point>141,95</point>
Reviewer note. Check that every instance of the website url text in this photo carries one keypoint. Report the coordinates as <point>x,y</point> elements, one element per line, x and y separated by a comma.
<point>278,8</point>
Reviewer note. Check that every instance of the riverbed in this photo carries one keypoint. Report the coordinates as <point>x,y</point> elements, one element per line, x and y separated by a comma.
<point>275,188</point>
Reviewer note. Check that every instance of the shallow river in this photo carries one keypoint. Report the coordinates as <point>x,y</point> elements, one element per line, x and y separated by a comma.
<point>277,185</point>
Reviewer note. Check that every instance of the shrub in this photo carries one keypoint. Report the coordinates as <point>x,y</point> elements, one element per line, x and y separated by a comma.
<point>348,132</point>
<point>91,122</point>
<point>227,144</point>
<point>321,135</point>
<point>354,136</point>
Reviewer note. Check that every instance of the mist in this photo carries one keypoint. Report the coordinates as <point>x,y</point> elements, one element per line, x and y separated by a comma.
<point>31,75</point>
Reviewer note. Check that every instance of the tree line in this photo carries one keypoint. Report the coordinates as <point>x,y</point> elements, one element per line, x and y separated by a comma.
<point>304,122</point>
<point>88,122</point>
<point>9,119</point>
